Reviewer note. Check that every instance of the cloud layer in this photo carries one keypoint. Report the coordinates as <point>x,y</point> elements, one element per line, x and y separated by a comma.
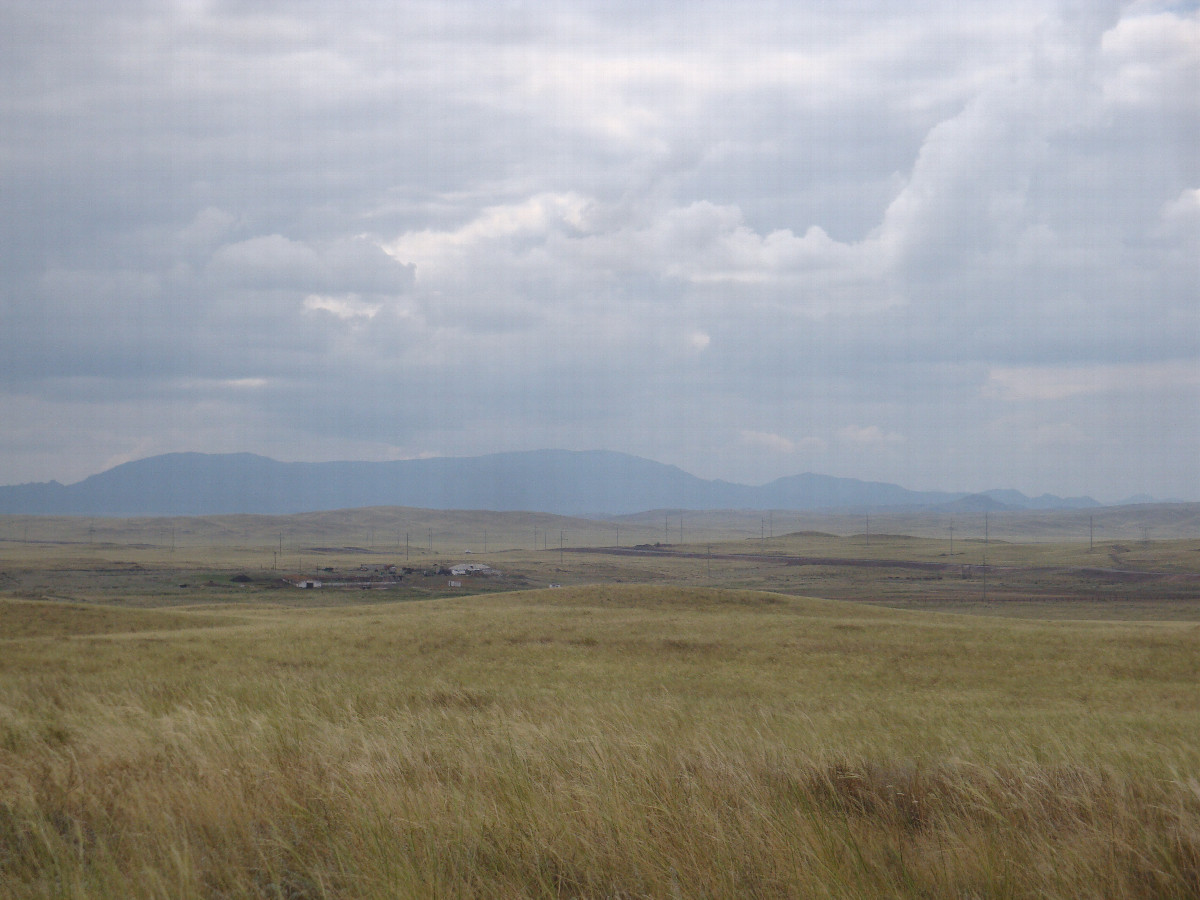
<point>949,247</point>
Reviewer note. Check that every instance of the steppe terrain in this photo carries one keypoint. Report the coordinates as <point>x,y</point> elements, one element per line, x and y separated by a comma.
<point>681,718</point>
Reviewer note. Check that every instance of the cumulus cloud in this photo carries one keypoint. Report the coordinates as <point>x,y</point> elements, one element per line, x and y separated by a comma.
<point>701,254</point>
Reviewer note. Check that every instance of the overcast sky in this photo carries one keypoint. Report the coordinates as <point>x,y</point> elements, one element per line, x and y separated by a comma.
<point>949,245</point>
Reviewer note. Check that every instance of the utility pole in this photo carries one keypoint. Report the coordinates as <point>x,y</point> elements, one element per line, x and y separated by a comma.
<point>681,528</point>
<point>985,576</point>
<point>1091,533</point>
<point>868,531</point>
<point>666,529</point>
<point>406,546</point>
<point>951,537</point>
<point>985,529</point>
<point>560,548</point>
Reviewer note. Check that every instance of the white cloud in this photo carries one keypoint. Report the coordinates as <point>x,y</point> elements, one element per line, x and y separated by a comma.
<point>869,435</point>
<point>575,241</point>
<point>1026,431</point>
<point>1154,60</point>
<point>515,224</point>
<point>1184,211</point>
<point>769,441</point>
<point>201,385</point>
<point>275,262</point>
<point>207,229</point>
<point>345,306</point>
<point>1046,383</point>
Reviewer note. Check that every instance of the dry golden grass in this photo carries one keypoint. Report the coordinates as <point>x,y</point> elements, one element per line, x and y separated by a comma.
<point>599,742</point>
<point>26,619</point>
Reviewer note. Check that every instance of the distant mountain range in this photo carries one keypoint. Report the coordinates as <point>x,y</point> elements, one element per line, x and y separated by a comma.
<point>565,482</point>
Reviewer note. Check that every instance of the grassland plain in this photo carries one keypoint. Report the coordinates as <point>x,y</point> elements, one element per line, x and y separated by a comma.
<point>148,562</point>
<point>599,741</point>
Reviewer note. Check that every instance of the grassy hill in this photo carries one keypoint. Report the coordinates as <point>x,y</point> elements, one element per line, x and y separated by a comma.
<point>608,740</point>
<point>1155,521</point>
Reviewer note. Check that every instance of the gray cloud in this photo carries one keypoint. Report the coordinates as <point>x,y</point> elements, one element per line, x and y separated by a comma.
<point>952,247</point>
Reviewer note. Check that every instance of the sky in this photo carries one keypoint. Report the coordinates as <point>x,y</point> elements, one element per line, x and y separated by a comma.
<point>946,245</point>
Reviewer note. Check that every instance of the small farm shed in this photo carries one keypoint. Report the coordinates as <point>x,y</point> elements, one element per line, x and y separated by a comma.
<point>302,581</point>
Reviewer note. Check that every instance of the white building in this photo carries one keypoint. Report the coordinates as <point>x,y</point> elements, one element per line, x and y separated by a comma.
<point>472,569</point>
<point>302,581</point>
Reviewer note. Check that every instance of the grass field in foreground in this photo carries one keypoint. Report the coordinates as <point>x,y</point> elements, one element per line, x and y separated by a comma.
<point>608,741</point>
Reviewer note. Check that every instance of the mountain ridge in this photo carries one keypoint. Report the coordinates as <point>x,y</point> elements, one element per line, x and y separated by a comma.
<point>566,482</point>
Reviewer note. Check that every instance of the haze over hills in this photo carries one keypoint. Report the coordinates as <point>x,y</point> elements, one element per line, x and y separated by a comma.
<point>564,482</point>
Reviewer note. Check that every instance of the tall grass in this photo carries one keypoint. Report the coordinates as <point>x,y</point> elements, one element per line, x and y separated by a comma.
<point>607,742</point>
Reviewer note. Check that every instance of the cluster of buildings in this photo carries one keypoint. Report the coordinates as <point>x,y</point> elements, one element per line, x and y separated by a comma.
<point>386,576</point>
